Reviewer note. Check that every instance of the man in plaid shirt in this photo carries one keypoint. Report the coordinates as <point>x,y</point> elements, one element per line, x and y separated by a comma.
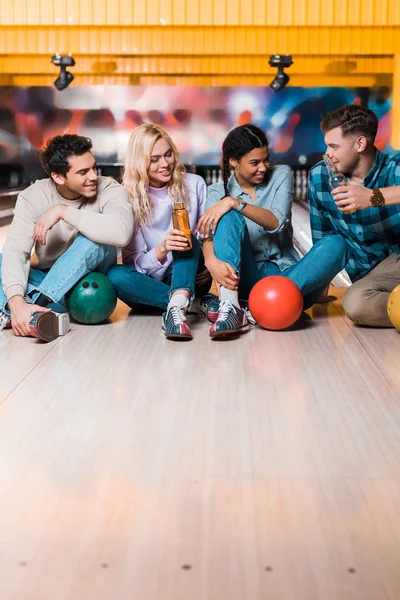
<point>365,211</point>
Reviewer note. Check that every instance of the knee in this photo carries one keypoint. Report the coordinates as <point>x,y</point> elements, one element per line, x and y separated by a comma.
<point>232,219</point>
<point>117,273</point>
<point>101,256</point>
<point>336,243</point>
<point>88,247</point>
<point>355,304</point>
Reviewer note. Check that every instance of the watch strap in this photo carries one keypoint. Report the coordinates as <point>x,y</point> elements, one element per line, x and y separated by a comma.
<point>242,204</point>
<point>377,198</point>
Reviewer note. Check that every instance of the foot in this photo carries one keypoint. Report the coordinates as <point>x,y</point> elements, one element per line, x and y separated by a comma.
<point>5,321</point>
<point>245,306</point>
<point>47,326</point>
<point>209,305</point>
<point>231,320</point>
<point>174,324</point>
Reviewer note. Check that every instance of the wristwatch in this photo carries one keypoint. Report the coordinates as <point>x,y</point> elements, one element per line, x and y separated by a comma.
<point>242,204</point>
<point>377,198</point>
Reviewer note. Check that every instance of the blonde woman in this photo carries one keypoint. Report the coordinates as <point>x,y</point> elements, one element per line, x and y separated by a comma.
<point>157,269</point>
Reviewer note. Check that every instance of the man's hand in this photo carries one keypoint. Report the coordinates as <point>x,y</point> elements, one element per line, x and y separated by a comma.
<point>352,196</point>
<point>223,274</point>
<point>207,224</point>
<point>47,221</point>
<point>21,313</point>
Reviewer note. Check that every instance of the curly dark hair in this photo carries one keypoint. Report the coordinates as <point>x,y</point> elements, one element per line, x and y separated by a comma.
<point>238,142</point>
<point>58,149</point>
<point>352,119</point>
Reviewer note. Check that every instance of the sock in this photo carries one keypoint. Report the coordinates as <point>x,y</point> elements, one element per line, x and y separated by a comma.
<point>230,296</point>
<point>41,300</point>
<point>178,300</point>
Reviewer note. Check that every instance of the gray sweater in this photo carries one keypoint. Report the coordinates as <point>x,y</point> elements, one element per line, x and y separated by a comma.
<point>106,219</point>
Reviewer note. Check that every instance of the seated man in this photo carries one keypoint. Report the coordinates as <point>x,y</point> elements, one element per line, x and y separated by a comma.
<point>74,218</point>
<point>364,210</point>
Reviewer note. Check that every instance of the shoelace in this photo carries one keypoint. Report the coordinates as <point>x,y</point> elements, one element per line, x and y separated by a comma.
<point>4,320</point>
<point>249,316</point>
<point>178,316</point>
<point>224,309</point>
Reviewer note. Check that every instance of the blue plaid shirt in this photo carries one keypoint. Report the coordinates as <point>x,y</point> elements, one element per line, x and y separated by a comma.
<point>372,234</point>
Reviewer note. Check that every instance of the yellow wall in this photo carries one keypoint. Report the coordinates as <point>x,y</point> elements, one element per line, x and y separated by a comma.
<point>200,42</point>
<point>200,12</point>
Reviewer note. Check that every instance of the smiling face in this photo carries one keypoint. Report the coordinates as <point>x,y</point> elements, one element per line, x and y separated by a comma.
<point>162,162</point>
<point>344,152</point>
<point>80,180</point>
<point>251,168</point>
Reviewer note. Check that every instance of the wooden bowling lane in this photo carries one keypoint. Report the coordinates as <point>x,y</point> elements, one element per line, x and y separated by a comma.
<point>383,345</point>
<point>263,467</point>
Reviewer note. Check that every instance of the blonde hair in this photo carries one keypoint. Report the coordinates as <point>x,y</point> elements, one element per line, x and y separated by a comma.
<point>136,179</point>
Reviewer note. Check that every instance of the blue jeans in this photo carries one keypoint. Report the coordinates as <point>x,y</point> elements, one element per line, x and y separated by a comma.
<point>81,257</point>
<point>138,290</point>
<point>311,274</point>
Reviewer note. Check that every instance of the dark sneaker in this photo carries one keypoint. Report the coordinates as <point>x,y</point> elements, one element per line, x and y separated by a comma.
<point>230,320</point>
<point>209,306</point>
<point>47,326</point>
<point>5,321</point>
<point>174,324</point>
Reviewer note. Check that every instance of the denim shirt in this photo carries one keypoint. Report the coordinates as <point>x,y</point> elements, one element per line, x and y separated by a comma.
<point>276,195</point>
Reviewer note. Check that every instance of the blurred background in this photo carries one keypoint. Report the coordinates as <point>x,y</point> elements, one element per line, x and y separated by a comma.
<point>198,68</point>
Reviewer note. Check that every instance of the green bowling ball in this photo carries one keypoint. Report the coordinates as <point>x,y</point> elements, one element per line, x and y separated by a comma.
<point>92,299</point>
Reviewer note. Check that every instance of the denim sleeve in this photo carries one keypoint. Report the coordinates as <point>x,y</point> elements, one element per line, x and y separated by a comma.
<point>281,205</point>
<point>320,224</point>
<point>213,196</point>
<point>201,197</point>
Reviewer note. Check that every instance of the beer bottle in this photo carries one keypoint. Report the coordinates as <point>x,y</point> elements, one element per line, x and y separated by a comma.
<point>335,178</point>
<point>180,219</point>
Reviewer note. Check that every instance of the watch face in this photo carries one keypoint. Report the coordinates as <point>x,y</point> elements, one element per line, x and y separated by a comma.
<point>377,198</point>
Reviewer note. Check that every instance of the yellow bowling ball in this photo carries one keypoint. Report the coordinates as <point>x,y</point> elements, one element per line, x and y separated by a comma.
<point>393,307</point>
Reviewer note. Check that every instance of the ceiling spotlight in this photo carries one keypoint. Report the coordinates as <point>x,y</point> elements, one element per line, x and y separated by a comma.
<point>65,77</point>
<point>281,61</point>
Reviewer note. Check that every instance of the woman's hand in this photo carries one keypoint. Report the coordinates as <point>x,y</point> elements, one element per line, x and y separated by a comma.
<point>207,224</point>
<point>223,274</point>
<point>174,240</point>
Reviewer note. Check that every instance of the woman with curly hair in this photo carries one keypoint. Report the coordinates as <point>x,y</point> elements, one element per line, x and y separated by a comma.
<point>248,233</point>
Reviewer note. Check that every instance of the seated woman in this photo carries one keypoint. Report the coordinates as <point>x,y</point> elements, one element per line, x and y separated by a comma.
<point>248,231</point>
<point>157,269</point>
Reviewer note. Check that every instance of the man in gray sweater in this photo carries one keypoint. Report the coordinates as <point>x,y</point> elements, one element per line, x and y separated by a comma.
<point>74,220</point>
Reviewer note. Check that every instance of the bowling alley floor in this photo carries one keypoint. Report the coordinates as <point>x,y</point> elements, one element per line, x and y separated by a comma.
<point>264,467</point>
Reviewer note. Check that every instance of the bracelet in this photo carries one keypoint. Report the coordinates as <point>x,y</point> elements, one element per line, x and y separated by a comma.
<point>377,198</point>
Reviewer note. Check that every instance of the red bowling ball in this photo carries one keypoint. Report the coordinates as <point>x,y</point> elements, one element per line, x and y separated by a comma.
<point>275,302</point>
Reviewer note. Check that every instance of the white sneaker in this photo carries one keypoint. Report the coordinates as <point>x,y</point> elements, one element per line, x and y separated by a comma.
<point>5,321</point>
